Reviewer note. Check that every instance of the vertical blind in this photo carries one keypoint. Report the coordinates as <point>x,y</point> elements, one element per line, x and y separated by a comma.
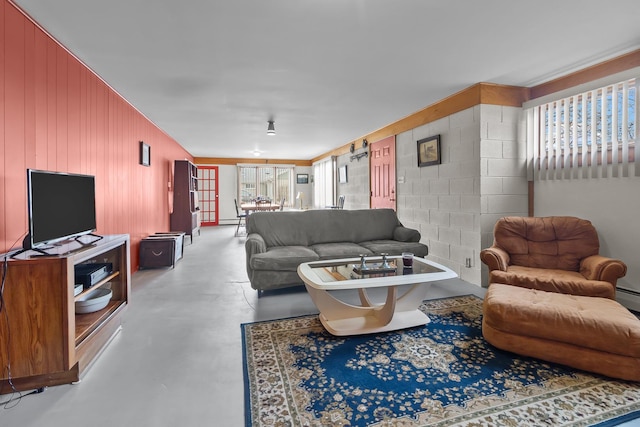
<point>588,135</point>
<point>324,182</point>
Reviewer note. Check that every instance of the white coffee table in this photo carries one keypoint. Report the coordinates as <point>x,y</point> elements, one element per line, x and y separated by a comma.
<point>396,312</point>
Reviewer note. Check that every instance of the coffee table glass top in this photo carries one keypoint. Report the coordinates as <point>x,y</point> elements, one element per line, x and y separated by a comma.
<point>333,271</point>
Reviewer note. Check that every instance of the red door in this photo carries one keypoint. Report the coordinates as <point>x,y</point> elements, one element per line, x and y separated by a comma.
<point>208,194</point>
<point>383,173</point>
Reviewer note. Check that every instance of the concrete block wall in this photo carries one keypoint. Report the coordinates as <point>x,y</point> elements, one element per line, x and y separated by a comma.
<point>356,190</point>
<point>455,205</point>
<point>482,177</point>
<point>503,184</point>
<point>443,201</point>
<point>503,174</point>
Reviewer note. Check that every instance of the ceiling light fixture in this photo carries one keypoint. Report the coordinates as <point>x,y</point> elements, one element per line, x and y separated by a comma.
<point>271,129</point>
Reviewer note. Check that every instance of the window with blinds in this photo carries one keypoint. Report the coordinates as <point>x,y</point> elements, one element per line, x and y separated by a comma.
<point>266,182</point>
<point>587,135</point>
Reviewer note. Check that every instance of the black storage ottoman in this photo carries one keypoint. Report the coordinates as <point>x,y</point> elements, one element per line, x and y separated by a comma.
<point>158,251</point>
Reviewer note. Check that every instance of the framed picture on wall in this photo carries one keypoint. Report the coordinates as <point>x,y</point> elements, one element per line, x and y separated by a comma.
<point>145,154</point>
<point>302,178</point>
<point>342,174</point>
<point>429,151</point>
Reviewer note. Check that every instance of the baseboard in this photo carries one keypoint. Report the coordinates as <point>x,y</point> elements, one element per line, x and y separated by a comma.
<point>629,298</point>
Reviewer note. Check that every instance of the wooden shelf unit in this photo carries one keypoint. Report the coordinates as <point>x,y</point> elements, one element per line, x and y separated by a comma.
<point>41,337</point>
<point>186,206</point>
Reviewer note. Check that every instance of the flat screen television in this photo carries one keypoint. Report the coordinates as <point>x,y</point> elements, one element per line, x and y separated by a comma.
<point>61,206</point>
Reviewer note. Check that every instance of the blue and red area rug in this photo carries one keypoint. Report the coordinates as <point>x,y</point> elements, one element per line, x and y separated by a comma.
<point>442,374</point>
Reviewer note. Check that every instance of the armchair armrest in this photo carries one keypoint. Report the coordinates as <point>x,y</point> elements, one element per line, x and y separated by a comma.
<point>404,234</point>
<point>598,267</point>
<point>495,258</point>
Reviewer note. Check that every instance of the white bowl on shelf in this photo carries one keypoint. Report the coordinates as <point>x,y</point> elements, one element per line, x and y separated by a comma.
<point>93,301</point>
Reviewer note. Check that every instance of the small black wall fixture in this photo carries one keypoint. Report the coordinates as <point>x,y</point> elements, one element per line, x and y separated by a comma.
<point>359,156</point>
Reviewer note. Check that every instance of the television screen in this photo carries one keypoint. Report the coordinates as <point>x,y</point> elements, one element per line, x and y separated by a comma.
<point>61,206</point>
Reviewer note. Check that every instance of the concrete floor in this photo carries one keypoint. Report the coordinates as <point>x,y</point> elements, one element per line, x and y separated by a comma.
<point>177,360</point>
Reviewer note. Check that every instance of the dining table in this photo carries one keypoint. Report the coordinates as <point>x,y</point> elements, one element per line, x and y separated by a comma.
<point>253,207</point>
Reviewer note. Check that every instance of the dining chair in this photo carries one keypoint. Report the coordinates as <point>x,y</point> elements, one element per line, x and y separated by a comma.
<point>339,205</point>
<point>242,218</point>
<point>282,204</point>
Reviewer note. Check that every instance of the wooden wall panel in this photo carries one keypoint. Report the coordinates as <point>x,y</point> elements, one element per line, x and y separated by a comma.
<point>40,124</point>
<point>51,113</point>
<point>56,114</point>
<point>480,93</point>
<point>73,122</point>
<point>3,183</point>
<point>612,66</point>
<point>14,149</point>
<point>30,90</point>
<point>61,112</point>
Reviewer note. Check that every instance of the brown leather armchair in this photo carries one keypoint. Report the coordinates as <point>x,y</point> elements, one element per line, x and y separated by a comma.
<point>554,254</point>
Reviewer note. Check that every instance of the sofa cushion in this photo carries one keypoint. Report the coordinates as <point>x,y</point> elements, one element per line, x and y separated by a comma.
<point>352,225</point>
<point>323,226</point>
<point>553,280</point>
<point>338,225</point>
<point>558,242</point>
<point>340,250</point>
<point>279,228</point>
<point>393,247</point>
<point>286,258</point>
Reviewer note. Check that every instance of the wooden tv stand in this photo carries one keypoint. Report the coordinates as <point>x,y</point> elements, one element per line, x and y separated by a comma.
<point>42,338</point>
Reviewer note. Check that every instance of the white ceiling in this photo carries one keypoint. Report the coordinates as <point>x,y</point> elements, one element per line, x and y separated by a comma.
<point>210,73</point>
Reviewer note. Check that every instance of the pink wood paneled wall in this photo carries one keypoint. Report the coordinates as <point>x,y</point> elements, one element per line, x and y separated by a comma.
<point>56,114</point>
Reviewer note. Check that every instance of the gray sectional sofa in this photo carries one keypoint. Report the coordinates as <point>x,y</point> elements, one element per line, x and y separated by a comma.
<point>277,242</point>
